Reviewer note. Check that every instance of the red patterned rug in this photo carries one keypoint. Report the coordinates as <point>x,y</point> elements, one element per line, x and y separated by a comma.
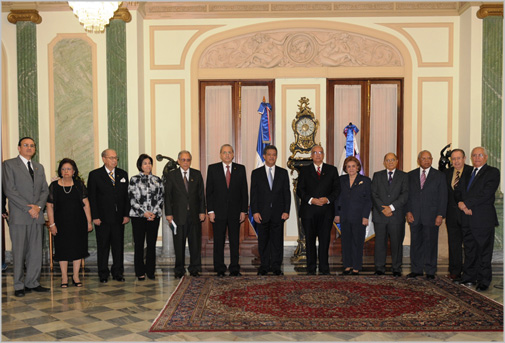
<point>326,303</point>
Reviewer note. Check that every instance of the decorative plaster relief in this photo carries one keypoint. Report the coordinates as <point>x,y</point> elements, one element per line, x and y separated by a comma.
<point>300,48</point>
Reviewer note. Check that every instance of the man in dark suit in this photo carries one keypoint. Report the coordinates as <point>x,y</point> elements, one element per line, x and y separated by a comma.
<point>456,177</point>
<point>479,221</point>
<point>110,206</point>
<point>227,206</point>
<point>318,188</point>
<point>390,193</point>
<point>185,206</point>
<point>270,204</point>
<point>24,183</point>
<point>426,209</point>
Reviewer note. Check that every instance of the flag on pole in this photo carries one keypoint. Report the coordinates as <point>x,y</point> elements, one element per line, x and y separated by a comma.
<point>264,139</point>
<point>351,149</point>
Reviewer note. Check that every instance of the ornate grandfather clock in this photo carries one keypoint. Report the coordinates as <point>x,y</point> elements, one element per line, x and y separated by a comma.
<point>304,127</point>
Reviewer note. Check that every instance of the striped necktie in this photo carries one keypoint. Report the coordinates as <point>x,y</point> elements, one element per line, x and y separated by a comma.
<point>456,180</point>
<point>111,176</point>
<point>423,178</point>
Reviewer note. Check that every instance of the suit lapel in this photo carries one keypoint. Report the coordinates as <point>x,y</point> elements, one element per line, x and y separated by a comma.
<point>418,178</point>
<point>477,177</point>
<point>24,169</point>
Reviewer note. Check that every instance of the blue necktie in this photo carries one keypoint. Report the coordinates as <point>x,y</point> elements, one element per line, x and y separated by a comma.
<point>390,179</point>
<point>471,178</point>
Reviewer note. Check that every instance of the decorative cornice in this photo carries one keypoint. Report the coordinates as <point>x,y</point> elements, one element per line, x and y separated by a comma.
<point>488,10</point>
<point>122,13</point>
<point>24,15</point>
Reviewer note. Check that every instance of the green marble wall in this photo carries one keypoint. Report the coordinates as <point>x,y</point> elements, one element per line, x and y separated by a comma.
<point>117,101</point>
<point>492,80</point>
<point>26,41</point>
<point>73,103</point>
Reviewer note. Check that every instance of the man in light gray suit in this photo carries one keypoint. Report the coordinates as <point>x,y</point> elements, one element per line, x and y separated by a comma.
<point>24,183</point>
<point>390,193</point>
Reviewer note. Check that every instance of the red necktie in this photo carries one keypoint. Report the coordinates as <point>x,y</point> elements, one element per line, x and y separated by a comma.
<point>228,176</point>
<point>318,173</point>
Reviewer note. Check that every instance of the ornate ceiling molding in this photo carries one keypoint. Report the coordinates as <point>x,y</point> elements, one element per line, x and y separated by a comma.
<point>24,15</point>
<point>487,10</point>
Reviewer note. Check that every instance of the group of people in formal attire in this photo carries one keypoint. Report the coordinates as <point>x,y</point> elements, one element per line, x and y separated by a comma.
<point>423,197</point>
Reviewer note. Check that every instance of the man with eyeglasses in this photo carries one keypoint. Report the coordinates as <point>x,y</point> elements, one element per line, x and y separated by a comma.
<point>24,183</point>
<point>185,206</point>
<point>318,188</point>
<point>426,209</point>
<point>110,207</point>
<point>479,221</point>
<point>390,193</point>
<point>227,200</point>
<point>456,177</point>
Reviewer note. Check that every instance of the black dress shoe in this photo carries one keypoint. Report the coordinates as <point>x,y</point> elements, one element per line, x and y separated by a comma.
<point>235,274</point>
<point>378,272</point>
<point>397,274</point>
<point>220,274</point>
<point>179,275</point>
<point>103,280</point>
<point>324,273</point>
<point>142,278</point>
<point>39,289</point>
<point>262,272</point>
<point>195,274</point>
<point>413,275</point>
<point>28,290</point>
<point>119,278</point>
<point>311,273</point>
<point>480,287</point>
<point>278,272</point>
<point>468,283</point>
<point>151,277</point>
<point>19,293</point>
<point>430,276</point>
<point>355,273</point>
<point>346,272</point>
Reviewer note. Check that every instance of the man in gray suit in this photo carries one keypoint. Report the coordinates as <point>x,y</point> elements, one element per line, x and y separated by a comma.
<point>24,183</point>
<point>390,193</point>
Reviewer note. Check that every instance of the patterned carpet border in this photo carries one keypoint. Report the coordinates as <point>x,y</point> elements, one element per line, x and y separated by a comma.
<point>326,303</point>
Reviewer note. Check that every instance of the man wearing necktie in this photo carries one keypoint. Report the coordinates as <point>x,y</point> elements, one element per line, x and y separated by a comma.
<point>185,205</point>
<point>227,205</point>
<point>426,209</point>
<point>110,207</point>
<point>270,204</point>
<point>318,188</point>
<point>456,179</point>
<point>24,183</point>
<point>390,192</point>
<point>479,221</point>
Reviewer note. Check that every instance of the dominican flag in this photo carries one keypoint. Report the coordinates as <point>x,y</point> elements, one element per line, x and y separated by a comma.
<point>264,139</point>
<point>351,149</point>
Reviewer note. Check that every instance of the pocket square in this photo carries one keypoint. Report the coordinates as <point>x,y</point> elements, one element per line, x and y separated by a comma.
<point>360,183</point>
<point>122,180</point>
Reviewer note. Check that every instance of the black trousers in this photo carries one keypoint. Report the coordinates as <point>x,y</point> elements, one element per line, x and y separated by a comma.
<point>193,233</point>
<point>271,245</point>
<point>455,238</point>
<point>145,231</point>
<point>219,228</point>
<point>479,243</point>
<point>318,226</point>
<point>423,248</point>
<point>110,237</point>
<point>353,241</point>
<point>396,234</point>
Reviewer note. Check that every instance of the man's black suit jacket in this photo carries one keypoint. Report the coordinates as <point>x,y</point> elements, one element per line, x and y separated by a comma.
<point>108,203</point>
<point>309,186</point>
<point>385,194</point>
<point>177,198</point>
<point>431,201</point>
<point>480,197</point>
<point>226,203</point>
<point>456,195</point>
<point>270,204</point>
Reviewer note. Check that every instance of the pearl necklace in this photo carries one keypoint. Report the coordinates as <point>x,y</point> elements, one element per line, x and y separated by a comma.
<point>70,190</point>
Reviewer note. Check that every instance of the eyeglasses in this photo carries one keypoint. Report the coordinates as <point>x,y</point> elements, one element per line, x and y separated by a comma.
<point>66,169</point>
<point>185,159</point>
<point>114,158</point>
<point>26,145</point>
<point>227,152</point>
<point>317,152</point>
<point>478,155</point>
<point>391,160</point>
<point>426,158</point>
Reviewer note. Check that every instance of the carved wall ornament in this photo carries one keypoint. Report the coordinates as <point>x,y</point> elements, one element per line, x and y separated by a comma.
<point>300,48</point>
<point>24,15</point>
<point>487,10</point>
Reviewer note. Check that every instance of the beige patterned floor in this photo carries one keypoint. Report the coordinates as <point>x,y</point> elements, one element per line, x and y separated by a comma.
<point>124,311</point>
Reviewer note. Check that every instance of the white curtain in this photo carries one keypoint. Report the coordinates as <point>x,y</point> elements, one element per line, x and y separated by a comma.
<point>218,120</point>
<point>251,96</point>
<point>383,124</point>
<point>347,109</point>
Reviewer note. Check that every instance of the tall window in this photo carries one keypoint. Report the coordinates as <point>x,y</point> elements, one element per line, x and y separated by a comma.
<point>375,107</point>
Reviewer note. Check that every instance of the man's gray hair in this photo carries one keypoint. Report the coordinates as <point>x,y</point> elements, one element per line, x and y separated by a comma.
<point>225,145</point>
<point>184,152</point>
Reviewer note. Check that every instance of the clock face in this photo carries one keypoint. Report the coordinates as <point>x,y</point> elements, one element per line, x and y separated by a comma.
<point>305,127</point>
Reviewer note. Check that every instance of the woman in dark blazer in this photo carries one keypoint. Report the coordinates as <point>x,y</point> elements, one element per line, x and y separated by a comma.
<point>352,211</point>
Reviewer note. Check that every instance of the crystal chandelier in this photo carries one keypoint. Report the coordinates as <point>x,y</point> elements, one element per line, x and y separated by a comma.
<point>94,15</point>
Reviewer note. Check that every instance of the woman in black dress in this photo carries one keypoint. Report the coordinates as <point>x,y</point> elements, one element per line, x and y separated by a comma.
<point>69,219</point>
